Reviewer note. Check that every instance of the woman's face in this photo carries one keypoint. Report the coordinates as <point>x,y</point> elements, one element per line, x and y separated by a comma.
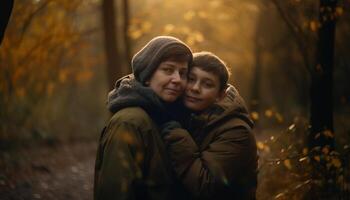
<point>169,80</point>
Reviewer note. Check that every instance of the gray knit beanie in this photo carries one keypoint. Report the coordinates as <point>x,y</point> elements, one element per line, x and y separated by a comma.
<point>147,60</point>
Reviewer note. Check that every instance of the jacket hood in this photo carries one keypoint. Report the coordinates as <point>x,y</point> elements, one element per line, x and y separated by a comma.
<point>231,105</point>
<point>130,93</point>
<point>146,61</point>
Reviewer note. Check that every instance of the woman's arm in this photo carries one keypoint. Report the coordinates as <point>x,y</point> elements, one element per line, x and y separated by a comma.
<point>119,162</point>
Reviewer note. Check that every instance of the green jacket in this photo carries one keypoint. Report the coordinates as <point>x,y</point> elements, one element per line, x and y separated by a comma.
<point>131,161</point>
<point>218,160</point>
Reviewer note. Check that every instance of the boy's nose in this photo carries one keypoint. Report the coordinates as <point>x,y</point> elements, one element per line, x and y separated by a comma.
<point>195,87</point>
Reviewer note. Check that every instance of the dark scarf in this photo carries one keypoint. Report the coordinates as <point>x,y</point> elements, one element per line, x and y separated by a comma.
<point>130,93</point>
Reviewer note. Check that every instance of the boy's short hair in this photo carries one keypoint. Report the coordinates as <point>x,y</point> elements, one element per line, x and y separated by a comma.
<point>211,63</point>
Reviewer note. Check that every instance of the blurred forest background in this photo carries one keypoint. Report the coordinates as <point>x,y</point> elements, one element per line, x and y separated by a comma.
<point>59,59</point>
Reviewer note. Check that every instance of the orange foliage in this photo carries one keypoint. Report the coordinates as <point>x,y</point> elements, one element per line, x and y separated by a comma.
<point>41,48</point>
<point>47,47</point>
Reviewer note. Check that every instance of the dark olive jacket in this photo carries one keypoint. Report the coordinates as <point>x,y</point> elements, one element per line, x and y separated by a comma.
<point>131,161</point>
<point>218,160</point>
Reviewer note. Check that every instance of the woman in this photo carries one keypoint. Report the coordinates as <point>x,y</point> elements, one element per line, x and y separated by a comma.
<point>131,161</point>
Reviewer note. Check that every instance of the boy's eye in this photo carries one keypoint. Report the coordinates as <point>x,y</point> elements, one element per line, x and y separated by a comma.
<point>208,84</point>
<point>191,79</point>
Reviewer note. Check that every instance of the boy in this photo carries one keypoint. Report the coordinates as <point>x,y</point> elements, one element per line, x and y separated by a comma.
<point>217,158</point>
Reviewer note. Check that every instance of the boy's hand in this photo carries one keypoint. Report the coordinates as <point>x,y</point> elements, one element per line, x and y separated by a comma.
<point>168,127</point>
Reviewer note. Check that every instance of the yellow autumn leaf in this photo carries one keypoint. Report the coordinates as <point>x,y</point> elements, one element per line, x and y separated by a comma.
<point>339,11</point>
<point>327,158</point>
<point>328,133</point>
<point>305,151</point>
<point>190,40</point>
<point>254,115</point>
<point>202,14</point>
<point>313,25</point>
<point>279,195</point>
<point>186,30</point>
<point>215,3</point>
<point>146,26</point>
<point>62,76</point>
<point>325,150</point>
<point>268,113</point>
<point>135,34</point>
<point>223,16</point>
<point>20,92</point>
<point>199,37</point>
<point>169,28</point>
<point>336,162</point>
<point>260,145</point>
<point>317,158</point>
<point>18,73</point>
<point>291,127</point>
<point>189,15</point>
<point>287,164</point>
<point>279,117</point>
<point>139,157</point>
<point>49,88</point>
<point>126,137</point>
<point>302,159</point>
<point>84,76</point>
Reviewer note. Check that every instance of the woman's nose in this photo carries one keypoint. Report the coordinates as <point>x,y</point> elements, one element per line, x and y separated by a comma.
<point>176,77</point>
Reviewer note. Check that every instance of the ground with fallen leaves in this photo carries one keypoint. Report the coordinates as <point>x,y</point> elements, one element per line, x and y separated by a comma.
<point>50,172</point>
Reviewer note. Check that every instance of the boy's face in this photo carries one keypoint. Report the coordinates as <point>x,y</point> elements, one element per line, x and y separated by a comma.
<point>169,80</point>
<point>203,89</point>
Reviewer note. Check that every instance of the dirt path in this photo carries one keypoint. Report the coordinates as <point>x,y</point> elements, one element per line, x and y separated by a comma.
<point>59,173</point>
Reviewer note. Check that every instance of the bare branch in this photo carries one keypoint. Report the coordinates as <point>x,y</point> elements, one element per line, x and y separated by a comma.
<point>297,34</point>
<point>30,18</point>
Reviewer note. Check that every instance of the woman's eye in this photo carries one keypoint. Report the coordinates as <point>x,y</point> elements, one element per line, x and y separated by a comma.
<point>168,70</point>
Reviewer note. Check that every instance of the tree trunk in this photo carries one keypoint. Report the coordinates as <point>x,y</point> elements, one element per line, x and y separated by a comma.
<point>126,28</point>
<point>5,13</point>
<point>255,92</point>
<point>322,79</point>
<point>321,116</point>
<point>113,57</point>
